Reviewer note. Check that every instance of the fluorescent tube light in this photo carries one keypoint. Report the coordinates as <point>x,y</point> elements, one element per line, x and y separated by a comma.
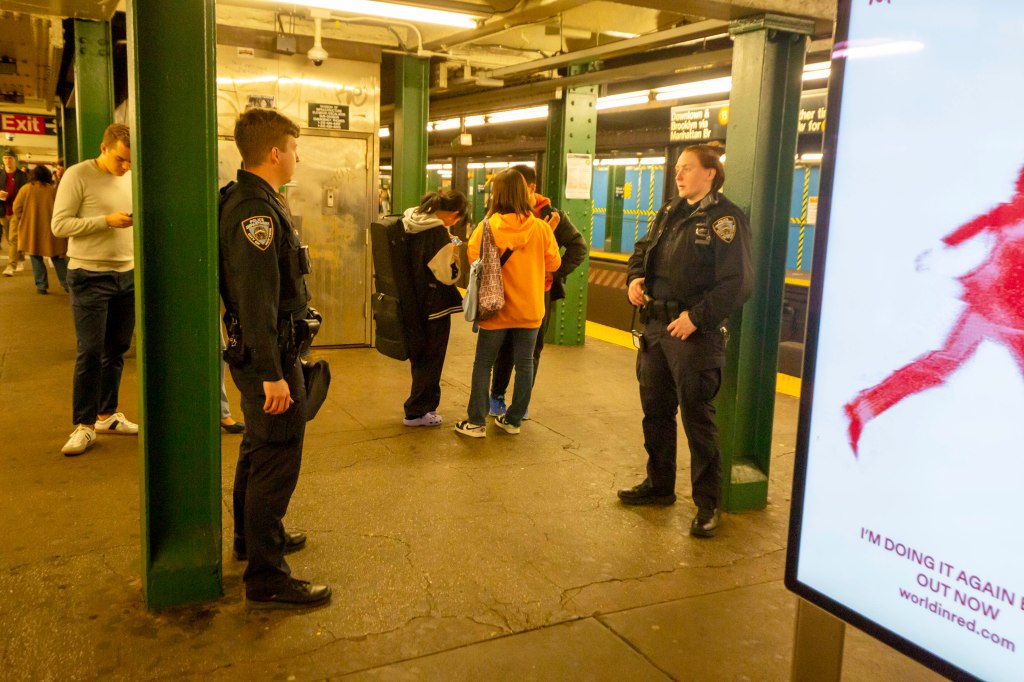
<point>420,15</point>
<point>626,99</point>
<point>383,132</point>
<point>652,161</point>
<point>472,121</point>
<point>618,162</point>
<point>712,86</point>
<point>811,157</point>
<point>446,124</point>
<point>511,115</point>
<point>474,166</point>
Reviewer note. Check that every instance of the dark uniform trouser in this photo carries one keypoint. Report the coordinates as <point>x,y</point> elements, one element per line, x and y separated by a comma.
<point>267,471</point>
<point>669,376</point>
<point>427,363</point>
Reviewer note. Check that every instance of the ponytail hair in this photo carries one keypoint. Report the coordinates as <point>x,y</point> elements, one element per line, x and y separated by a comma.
<point>432,202</point>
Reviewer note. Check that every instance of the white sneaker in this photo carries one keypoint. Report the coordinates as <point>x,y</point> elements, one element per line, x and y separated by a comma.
<point>81,440</point>
<point>9,271</point>
<point>468,428</point>
<point>21,266</point>
<point>117,423</point>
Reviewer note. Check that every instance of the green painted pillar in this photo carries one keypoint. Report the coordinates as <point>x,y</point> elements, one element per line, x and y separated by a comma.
<point>409,159</point>
<point>572,129</point>
<point>174,174</point>
<point>69,137</point>
<point>768,58</point>
<point>613,213</point>
<point>94,85</point>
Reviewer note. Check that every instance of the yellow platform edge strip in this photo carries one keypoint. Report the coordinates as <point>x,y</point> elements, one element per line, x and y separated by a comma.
<point>784,383</point>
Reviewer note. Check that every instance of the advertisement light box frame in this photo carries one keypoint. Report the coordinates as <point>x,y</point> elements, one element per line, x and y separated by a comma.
<point>906,502</point>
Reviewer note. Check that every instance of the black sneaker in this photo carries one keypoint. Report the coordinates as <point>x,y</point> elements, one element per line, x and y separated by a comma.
<point>705,523</point>
<point>645,494</point>
<point>293,542</point>
<point>299,594</point>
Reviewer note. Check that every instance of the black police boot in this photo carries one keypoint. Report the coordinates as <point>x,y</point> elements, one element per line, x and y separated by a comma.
<point>297,594</point>
<point>293,542</point>
<point>705,523</point>
<point>645,494</point>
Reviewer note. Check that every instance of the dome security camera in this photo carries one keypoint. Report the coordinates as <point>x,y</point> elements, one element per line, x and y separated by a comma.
<point>317,54</point>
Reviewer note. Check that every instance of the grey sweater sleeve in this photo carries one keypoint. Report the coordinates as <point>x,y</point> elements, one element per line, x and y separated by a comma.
<point>66,222</point>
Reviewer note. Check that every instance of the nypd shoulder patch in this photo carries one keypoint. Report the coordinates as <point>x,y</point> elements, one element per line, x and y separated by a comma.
<point>259,230</point>
<point>725,228</point>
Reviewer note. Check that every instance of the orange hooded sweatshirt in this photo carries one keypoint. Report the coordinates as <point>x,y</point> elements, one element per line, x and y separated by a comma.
<point>534,254</point>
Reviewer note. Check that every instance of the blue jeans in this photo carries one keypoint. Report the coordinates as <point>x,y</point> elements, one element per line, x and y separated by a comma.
<point>103,305</point>
<point>60,266</point>
<point>488,344</point>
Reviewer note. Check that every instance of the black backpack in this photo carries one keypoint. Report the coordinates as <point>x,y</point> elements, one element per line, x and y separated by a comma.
<point>398,326</point>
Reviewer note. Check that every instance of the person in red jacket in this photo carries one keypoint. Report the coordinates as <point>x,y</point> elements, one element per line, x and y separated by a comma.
<point>533,254</point>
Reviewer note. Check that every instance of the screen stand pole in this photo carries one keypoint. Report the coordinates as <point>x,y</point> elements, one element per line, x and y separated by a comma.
<point>817,645</point>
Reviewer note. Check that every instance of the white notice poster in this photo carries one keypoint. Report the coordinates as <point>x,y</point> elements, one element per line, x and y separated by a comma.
<point>578,176</point>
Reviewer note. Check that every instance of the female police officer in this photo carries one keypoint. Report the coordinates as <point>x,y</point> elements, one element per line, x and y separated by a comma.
<point>688,274</point>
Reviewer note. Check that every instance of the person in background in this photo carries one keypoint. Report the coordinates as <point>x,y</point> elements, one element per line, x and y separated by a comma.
<point>58,172</point>
<point>687,275</point>
<point>227,422</point>
<point>531,254</point>
<point>433,258</point>
<point>93,210</point>
<point>567,237</point>
<point>33,213</point>
<point>11,181</point>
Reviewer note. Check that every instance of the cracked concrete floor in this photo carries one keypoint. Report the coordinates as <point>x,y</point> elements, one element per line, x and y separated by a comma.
<point>505,558</point>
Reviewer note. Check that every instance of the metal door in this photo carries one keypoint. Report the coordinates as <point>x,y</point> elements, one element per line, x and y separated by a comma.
<point>330,201</point>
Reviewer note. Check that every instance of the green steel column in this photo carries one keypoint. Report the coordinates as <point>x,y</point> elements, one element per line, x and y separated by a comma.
<point>174,161</point>
<point>409,159</point>
<point>94,84</point>
<point>572,129</point>
<point>768,57</point>
<point>613,212</point>
<point>69,134</point>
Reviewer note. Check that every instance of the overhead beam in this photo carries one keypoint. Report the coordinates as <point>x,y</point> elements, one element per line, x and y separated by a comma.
<point>535,94</point>
<point>533,13</point>
<point>734,9</point>
<point>701,29</point>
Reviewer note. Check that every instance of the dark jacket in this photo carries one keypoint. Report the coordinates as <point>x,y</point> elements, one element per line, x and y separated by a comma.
<point>261,278</point>
<point>20,180</point>
<point>711,274</point>
<point>433,265</point>
<point>567,237</point>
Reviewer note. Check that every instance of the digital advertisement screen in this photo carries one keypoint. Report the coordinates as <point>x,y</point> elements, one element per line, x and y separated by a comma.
<point>909,483</point>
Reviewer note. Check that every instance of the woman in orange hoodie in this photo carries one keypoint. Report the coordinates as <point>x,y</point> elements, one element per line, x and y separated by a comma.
<point>534,253</point>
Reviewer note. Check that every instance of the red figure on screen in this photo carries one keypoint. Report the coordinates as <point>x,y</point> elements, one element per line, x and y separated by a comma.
<point>994,294</point>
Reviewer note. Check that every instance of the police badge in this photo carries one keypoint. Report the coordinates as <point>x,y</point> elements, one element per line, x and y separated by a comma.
<point>725,228</point>
<point>259,230</point>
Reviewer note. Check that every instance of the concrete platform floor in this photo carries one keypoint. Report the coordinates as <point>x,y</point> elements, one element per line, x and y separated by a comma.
<point>505,558</point>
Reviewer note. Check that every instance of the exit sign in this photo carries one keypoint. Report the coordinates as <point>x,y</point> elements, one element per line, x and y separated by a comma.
<point>28,124</point>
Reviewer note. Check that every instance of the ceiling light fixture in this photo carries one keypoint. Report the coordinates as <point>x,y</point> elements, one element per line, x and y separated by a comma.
<point>625,99</point>
<point>712,86</point>
<point>511,115</point>
<point>419,15</point>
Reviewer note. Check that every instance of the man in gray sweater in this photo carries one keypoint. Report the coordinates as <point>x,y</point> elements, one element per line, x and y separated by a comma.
<point>93,210</point>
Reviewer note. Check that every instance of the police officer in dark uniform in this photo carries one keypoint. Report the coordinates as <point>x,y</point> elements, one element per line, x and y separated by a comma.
<point>687,274</point>
<point>265,296</point>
